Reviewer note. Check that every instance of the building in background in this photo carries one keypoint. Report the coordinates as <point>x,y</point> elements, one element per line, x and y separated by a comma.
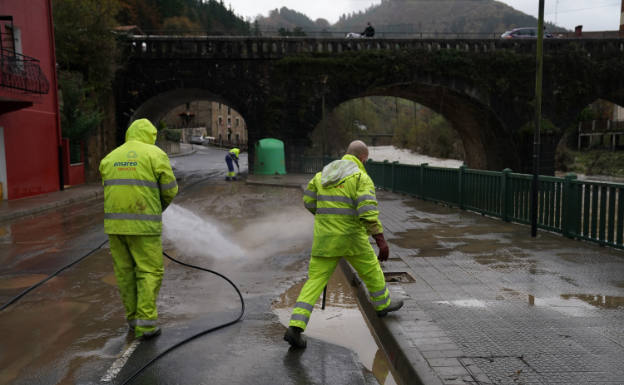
<point>228,126</point>
<point>30,132</point>
<point>218,122</point>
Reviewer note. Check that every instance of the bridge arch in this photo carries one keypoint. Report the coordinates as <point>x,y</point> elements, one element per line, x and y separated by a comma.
<point>486,140</point>
<point>156,107</point>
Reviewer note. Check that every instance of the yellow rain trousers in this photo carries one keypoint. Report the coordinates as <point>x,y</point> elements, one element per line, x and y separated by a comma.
<point>138,265</point>
<point>342,199</point>
<point>138,185</point>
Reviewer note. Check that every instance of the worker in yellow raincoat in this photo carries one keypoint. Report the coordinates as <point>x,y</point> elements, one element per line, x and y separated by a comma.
<point>230,158</point>
<point>342,199</point>
<point>138,186</point>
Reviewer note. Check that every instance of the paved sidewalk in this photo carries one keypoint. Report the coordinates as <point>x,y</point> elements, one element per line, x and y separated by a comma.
<point>38,204</point>
<point>490,305</point>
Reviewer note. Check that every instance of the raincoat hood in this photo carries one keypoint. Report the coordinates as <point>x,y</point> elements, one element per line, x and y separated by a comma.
<point>340,169</point>
<point>142,130</point>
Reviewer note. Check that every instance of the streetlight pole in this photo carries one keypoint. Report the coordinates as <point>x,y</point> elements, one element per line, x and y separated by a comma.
<point>538,117</point>
<point>622,21</point>
<point>323,122</point>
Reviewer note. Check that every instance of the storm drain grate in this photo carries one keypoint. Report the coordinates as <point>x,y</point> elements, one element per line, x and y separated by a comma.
<point>399,277</point>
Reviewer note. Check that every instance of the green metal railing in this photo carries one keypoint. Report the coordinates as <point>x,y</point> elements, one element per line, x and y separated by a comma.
<point>592,211</point>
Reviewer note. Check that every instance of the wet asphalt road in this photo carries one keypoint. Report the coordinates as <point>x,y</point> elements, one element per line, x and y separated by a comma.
<point>71,330</point>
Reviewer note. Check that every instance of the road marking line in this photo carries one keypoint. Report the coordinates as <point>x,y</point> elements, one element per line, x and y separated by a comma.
<point>116,367</point>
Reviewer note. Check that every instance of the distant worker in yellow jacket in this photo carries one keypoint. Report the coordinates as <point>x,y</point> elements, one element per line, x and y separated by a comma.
<point>138,186</point>
<point>342,199</point>
<point>230,158</point>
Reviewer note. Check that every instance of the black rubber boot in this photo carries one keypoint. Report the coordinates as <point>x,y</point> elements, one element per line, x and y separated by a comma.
<point>150,335</point>
<point>394,306</point>
<point>294,338</point>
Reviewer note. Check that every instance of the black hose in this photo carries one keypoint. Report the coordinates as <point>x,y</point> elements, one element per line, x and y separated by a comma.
<point>240,316</point>
<point>33,287</point>
<point>129,379</point>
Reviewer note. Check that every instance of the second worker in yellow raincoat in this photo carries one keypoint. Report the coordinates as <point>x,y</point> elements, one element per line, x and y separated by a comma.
<point>342,199</point>
<point>138,186</point>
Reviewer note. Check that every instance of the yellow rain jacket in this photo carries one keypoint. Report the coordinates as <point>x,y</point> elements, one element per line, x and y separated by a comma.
<point>138,183</point>
<point>342,199</point>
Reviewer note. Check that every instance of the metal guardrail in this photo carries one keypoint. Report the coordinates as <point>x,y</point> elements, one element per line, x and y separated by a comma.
<point>22,73</point>
<point>592,211</point>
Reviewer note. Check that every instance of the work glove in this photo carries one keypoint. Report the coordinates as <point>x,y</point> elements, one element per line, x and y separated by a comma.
<point>384,251</point>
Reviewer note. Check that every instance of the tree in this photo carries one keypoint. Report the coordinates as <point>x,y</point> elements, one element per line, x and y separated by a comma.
<point>79,113</point>
<point>84,39</point>
<point>140,13</point>
<point>180,25</point>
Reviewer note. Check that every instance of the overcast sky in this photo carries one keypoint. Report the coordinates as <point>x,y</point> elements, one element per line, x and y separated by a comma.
<point>594,15</point>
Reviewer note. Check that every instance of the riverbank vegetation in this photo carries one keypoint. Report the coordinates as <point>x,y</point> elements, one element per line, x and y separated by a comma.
<point>384,120</point>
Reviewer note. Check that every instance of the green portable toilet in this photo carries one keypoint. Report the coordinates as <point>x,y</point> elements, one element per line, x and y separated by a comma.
<point>269,159</point>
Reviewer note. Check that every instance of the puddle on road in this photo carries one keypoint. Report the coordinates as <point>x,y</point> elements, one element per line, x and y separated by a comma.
<point>573,304</point>
<point>600,301</point>
<point>444,240</point>
<point>340,323</point>
<point>21,281</point>
<point>576,305</point>
<point>465,303</point>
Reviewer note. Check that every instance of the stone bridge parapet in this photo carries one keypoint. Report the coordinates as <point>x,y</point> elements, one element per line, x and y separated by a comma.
<point>262,48</point>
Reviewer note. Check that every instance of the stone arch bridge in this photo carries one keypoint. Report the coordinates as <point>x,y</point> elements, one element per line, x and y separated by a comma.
<point>485,88</point>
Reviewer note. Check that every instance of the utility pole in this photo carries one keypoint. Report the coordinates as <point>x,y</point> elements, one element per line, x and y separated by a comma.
<point>538,116</point>
<point>622,20</point>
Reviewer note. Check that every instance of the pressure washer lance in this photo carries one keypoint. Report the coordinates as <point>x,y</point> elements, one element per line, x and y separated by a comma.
<point>129,379</point>
<point>323,301</point>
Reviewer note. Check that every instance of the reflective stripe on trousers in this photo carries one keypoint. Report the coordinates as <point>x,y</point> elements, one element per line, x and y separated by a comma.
<point>319,272</point>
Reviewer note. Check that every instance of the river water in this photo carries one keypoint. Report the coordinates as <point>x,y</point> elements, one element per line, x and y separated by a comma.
<point>393,154</point>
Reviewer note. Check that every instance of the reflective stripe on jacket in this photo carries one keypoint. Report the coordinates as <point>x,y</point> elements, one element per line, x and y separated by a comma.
<point>138,183</point>
<point>342,199</point>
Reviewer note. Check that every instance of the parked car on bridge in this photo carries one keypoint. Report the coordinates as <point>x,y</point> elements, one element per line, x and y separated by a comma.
<point>524,33</point>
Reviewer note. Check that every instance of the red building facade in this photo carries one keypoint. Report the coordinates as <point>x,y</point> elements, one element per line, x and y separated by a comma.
<point>30,132</point>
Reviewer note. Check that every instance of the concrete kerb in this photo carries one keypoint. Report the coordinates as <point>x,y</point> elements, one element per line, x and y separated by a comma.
<point>408,364</point>
<point>11,214</point>
<point>182,154</point>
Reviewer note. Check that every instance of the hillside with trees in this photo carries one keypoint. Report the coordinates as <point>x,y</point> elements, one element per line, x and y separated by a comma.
<point>288,19</point>
<point>441,16</point>
<point>412,16</point>
<point>209,17</point>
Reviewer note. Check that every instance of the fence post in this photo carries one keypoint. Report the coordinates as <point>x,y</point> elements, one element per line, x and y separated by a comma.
<point>505,194</point>
<point>394,164</point>
<point>385,171</point>
<point>460,184</point>
<point>570,212</point>
<point>422,180</point>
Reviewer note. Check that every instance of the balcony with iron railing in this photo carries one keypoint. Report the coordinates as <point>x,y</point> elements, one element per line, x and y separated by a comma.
<point>22,73</point>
